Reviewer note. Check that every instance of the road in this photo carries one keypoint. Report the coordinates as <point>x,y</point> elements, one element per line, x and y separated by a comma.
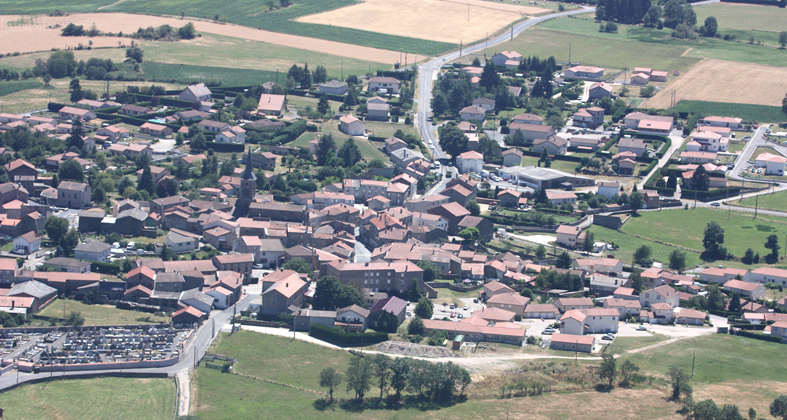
<point>427,73</point>
<point>676,137</point>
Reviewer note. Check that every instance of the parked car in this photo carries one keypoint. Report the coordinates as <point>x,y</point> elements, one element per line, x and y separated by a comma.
<point>642,328</point>
<point>130,245</point>
<point>459,316</point>
<point>547,332</point>
<point>453,314</point>
<point>465,308</point>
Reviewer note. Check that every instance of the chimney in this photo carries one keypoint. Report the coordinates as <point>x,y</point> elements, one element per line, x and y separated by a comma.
<point>286,284</point>
<point>13,303</point>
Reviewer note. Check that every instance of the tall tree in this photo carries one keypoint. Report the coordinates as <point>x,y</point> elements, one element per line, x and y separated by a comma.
<point>710,27</point>
<point>320,75</point>
<point>713,239</point>
<point>772,243</point>
<point>359,376</point>
<point>677,260</point>
<point>382,371</point>
<point>400,375</point>
<point>430,270</point>
<point>590,239</point>
<point>146,181</point>
<point>608,369</point>
<point>679,381</point>
<point>349,153</point>
<point>77,133</point>
<point>636,201</point>
<point>473,207</point>
<point>563,260</point>
<point>489,76</point>
<point>424,308</point>
<point>56,228</point>
<point>453,140</point>
<point>323,106</point>
<point>327,293</point>
<point>330,378</point>
<point>627,370</point>
<point>71,170</point>
<point>325,146</point>
<point>779,407</point>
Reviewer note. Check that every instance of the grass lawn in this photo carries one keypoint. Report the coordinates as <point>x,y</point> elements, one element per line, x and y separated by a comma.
<point>448,295</point>
<point>304,139</point>
<point>560,165</point>
<point>303,102</point>
<point>629,243</point>
<point>746,17</point>
<point>685,228</point>
<point>623,344</point>
<point>387,129</point>
<point>368,150</point>
<point>87,399</point>
<point>775,201</point>
<point>99,314</point>
<point>185,74</point>
<point>757,113</point>
<point>762,149</point>
<point>736,146</point>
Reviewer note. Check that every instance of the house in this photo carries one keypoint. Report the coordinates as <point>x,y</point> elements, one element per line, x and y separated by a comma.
<point>281,290</point>
<point>527,118</point>
<point>384,84</point>
<point>26,244</point>
<point>502,58</point>
<point>533,132</point>
<point>691,317</point>
<point>753,291</point>
<point>187,316</point>
<point>509,301</point>
<point>73,195</point>
<point>20,168</point>
<point>723,275</point>
<point>553,145</point>
<point>729,122</point>
<point>599,90</point>
<point>471,161</point>
<point>392,144</point>
<point>303,319</point>
<point>625,307</point>
<point>561,197</point>
<point>156,130</point>
<point>515,90</point>
<point>567,304</point>
<point>134,110</point>
<point>334,87</point>
<point>192,115</point>
<point>589,117</point>
<point>113,132</point>
<point>661,294</point>
<point>472,113</point>
<point>8,270</point>
<point>377,111</point>
<point>68,265</point>
<point>569,236</point>
<point>393,305</point>
<point>609,189</point>
<point>570,342</point>
<point>640,79</point>
<point>512,157</point>
<point>510,198</point>
<point>487,104</point>
<point>698,157</point>
<point>181,241</point>
<point>157,172</point>
<point>583,72</point>
<point>636,146</point>
<point>352,126</point>
<point>589,321</point>
<point>485,226</point>
<point>92,251</point>
<point>352,318</point>
<point>776,276</point>
<point>541,311</point>
<point>235,134</point>
<point>609,266</point>
<point>268,252</point>
<point>773,164</point>
<point>270,104</point>
<point>197,92</point>
<point>633,121</point>
<point>196,299</point>
<point>72,113</point>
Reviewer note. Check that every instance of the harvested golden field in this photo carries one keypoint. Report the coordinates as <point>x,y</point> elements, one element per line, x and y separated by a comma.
<point>726,81</point>
<point>436,20</point>
<point>42,35</point>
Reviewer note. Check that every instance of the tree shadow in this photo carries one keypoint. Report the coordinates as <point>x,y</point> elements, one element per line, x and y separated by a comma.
<point>323,404</point>
<point>390,403</point>
<point>604,388</point>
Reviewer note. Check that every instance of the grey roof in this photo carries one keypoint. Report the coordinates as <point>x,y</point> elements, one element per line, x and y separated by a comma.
<point>166,295</point>
<point>334,83</point>
<point>272,245</point>
<point>355,308</point>
<point>67,262</point>
<point>192,294</point>
<point>93,246</point>
<point>94,213</point>
<point>169,278</point>
<point>72,186</point>
<point>171,200</point>
<point>32,288</point>
<point>177,237</point>
<point>133,213</point>
<point>404,154</point>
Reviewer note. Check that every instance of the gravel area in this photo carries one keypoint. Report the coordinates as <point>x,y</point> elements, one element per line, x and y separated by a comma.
<point>414,350</point>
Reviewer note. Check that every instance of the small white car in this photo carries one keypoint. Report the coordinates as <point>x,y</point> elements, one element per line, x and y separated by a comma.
<point>130,245</point>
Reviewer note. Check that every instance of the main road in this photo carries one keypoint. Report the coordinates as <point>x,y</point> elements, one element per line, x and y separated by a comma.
<point>427,73</point>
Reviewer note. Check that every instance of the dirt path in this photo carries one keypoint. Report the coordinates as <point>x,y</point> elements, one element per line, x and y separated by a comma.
<point>184,392</point>
<point>44,35</point>
<point>653,346</point>
<point>685,53</point>
<point>111,5</point>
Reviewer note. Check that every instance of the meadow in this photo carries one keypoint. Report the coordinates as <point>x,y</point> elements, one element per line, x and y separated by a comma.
<point>185,74</point>
<point>757,113</point>
<point>368,150</point>
<point>7,88</point>
<point>100,314</point>
<point>775,201</point>
<point>629,243</point>
<point>746,17</point>
<point>89,399</point>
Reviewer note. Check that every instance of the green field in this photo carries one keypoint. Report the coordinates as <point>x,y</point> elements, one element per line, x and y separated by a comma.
<point>16,7</point>
<point>685,228</point>
<point>247,13</point>
<point>775,201</point>
<point>7,88</point>
<point>629,243</point>
<point>560,165</point>
<point>92,399</point>
<point>99,314</point>
<point>749,17</point>
<point>755,113</point>
<point>622,345</point>
<point>180,73</point>
<point>368,150</point>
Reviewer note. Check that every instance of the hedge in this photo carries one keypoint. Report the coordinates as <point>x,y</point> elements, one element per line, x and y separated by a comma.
<point>750,327</point>
<point>569,158</point>
<point>762,2</point>
<point>566,87</point>
<point>340,337</point>
<point>317,95</point>
<point>106,268</point>
<point>712,194</point>
<point>757,336</point>
<point>398,75</point>
<point>54,106</point>
<point>225,147</point>
<point>164,101</point>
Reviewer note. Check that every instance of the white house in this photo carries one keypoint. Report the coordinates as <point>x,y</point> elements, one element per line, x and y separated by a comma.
<point>609,188</point>
<point>767,275</point>
<point>636,146</point>
<point>753,291</point>
<point>198,92</point>
<point>661,294</point>
<point>334,87</point>
<point>568,236</point>
<point>487,104</point>
<point>589,321</point>
<point>773,164</point>
<point>561,197</point>
<point>723,121</point>
<point>554,145</point>
<point>599,265</point>
<point>583,72</point>
<point>234,134</point>
<point>181,241</point>
<point>92,251</point>
<point>472,113</point>
<point>352,126</point>
<point>501,59</point>
<point>471,161</point>
<point>387,84</point>
<point>600,90</point>
<point>722,275</point>
<point>222,297</point>
<point>27,243</point>
<point>197,299</point>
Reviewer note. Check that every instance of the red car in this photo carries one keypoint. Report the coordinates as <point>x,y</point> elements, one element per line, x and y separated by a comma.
<point>453,314</point>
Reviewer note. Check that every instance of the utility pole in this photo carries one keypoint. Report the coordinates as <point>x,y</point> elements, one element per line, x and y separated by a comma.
<point>512,31</point>
<point>460,47</point>
<point>756,204</point>
<point>693,358</point>
<point>569,54</point>
<point>342,69</point>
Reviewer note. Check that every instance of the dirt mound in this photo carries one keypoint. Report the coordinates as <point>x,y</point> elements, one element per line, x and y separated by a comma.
<point>414,350</point>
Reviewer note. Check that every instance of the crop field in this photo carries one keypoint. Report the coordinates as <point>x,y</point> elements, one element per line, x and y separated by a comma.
<point>88,399</point>
<point>758,113</point>
<point>184,74</point>
<point>439,20</point>
<point>38,37</point>
<point>685,228</point>
<point>7,88</point>
<point>732,82</point>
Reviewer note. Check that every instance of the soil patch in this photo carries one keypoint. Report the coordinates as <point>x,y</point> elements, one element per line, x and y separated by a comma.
<point>413,350</point>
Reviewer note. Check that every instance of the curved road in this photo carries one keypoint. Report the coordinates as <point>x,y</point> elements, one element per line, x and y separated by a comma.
<point>428,72</point>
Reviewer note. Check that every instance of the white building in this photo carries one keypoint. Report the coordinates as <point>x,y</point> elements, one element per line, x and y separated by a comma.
<point>773,164</point>
<point>661,294</point>
<point>609,189</point>
<point>589,321</point>
<point>472,113</point>
<point>27,243</point>
<point>352,126</point>
<point>767,275</point>
<point>471,161</point>
<point>181,241</point>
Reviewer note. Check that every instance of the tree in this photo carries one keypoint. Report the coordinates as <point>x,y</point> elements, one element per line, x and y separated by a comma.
<point>473,207</point>
<point>359,376</point>
<point>711,27</point>
<point>400,374</point>
<point>325,146</point>
<point>350,295</point>
<point>326,295</point>
<point>563,260</point>
<point>752,413</point>
<point>330,378</point>
<point>187,31</point>
<point>349,153</point>
<point>642,255</point>
<point>677,260</point>
<point>783,39</point>
<point>679,381</point>
<point>71,170</point>
<point>779,407</point>
<point>75,319</point>
<point>416,326</point>
<point>320,75</point>
<point>735,303</point>
<point>590,239</point>
<point>541,252</point>
<point>387,322</point>
<point>700,181</point>
<point>453,140</point>
<point>637,283</point>
<point>608,369</point>
<point>323,106</point>
<point>627,370</point>
<point>672,181</point>
<point>636,200</point>
<point>729,412</point>
<point>489,76</point>
<point>705,410</point>
<point>547,161</point>
<point>199,141</point>
<point>430,270</point>
<point>146,181</point>
<point>382,371</point>
<point>424,308</point>
<point>167,188</point>
<point>651,18</point>
<point>56,228</point>
<point>69,242</point>
<point>772,243</point>
<point>135,54</point>
<point>713,239</point>
<point>98,195</point>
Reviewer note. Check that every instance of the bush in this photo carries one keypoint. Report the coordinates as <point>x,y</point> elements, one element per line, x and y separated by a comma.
<point>342,338</point>
<point>106,268</point>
